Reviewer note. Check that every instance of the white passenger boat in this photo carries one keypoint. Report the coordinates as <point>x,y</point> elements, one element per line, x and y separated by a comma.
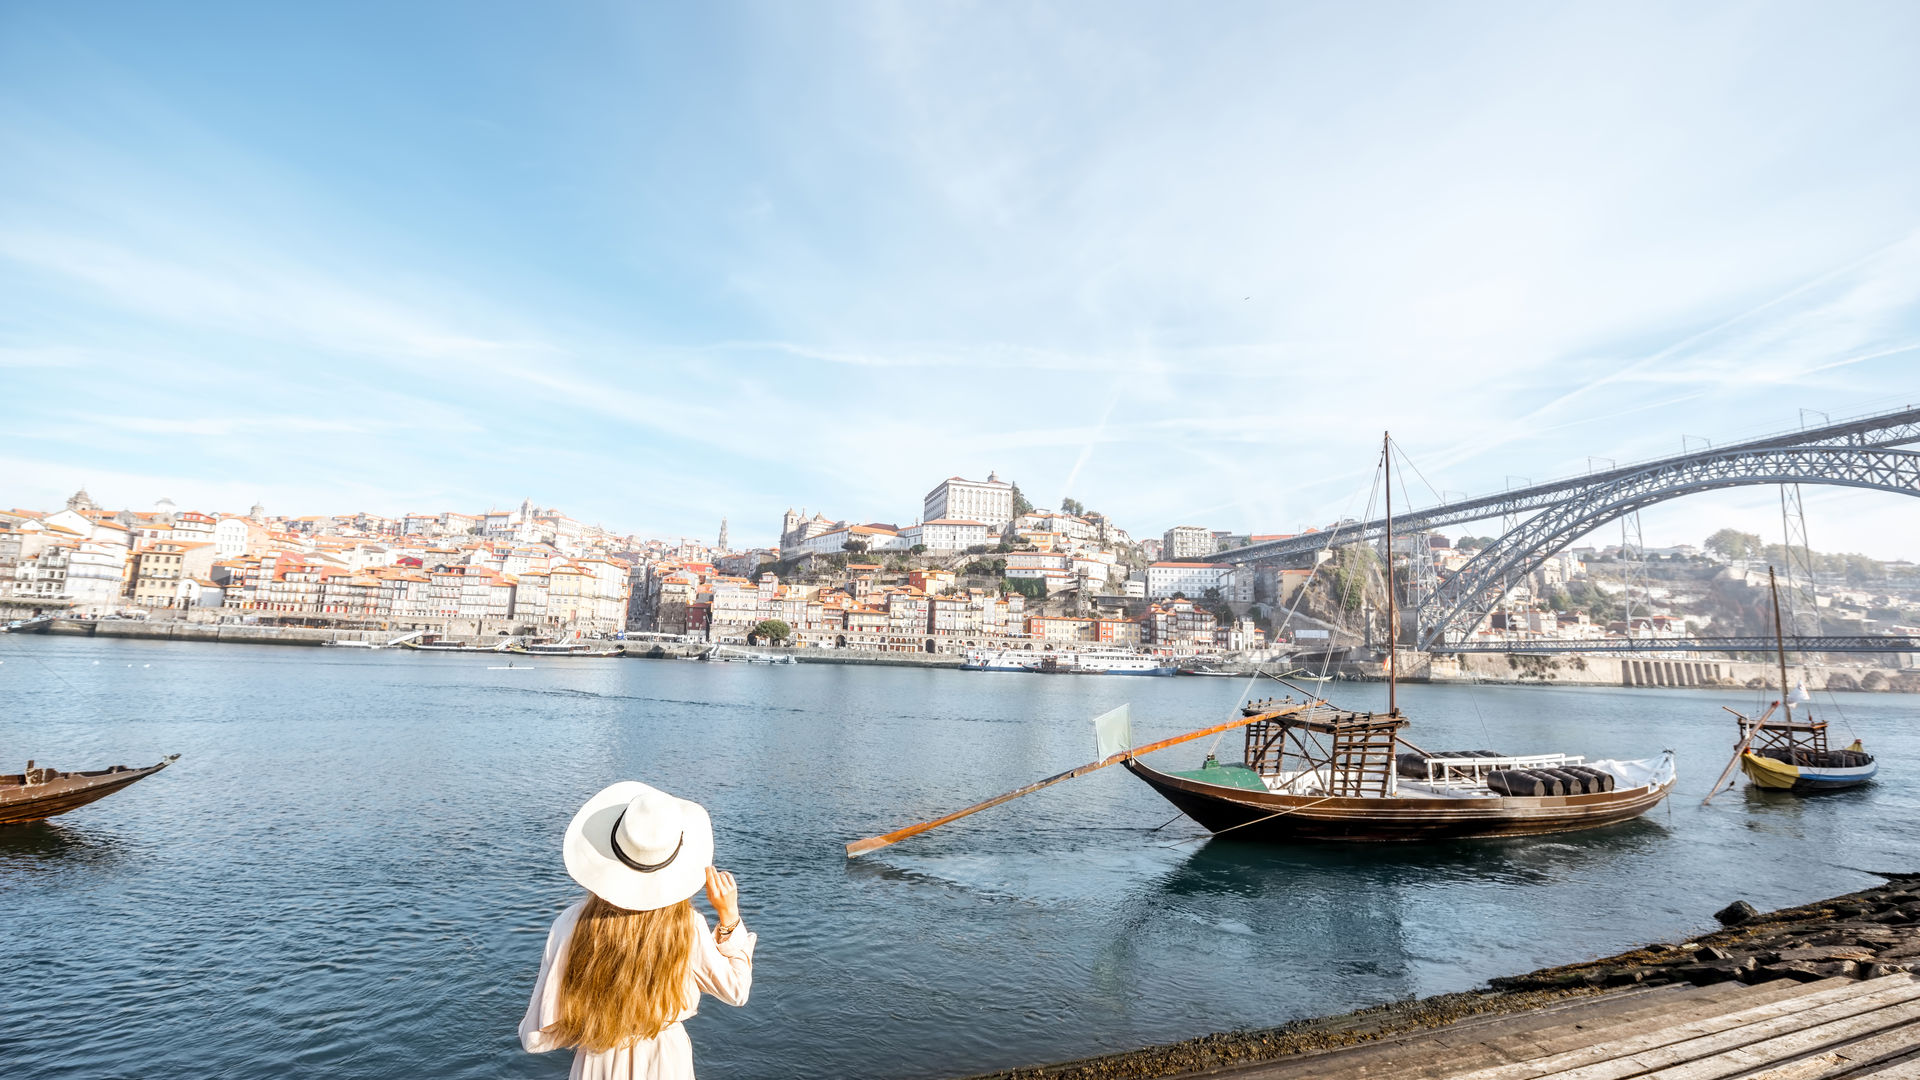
<point>996,660</point>
<point>1103,662</point>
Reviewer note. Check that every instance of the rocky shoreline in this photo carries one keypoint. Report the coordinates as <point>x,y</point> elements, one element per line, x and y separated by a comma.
<point>1860,935</point>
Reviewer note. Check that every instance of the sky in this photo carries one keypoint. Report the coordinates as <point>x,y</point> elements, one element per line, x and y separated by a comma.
<point>662,264</point>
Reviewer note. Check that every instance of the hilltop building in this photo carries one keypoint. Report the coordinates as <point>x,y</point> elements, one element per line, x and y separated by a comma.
<point>1187,542</point>
<point>989,501</point>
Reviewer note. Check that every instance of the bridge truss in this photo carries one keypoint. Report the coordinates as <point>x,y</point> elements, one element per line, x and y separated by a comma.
<point>1856,453</point>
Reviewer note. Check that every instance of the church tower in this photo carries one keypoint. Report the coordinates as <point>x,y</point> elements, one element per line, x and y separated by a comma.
<point>723,534</point>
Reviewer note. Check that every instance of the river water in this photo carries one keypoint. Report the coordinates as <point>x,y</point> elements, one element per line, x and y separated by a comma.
<point>354,863</point>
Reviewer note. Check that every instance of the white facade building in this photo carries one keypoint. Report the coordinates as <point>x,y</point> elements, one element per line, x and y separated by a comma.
<point>96,574</point>
<point>989,502</point>
<point>1191,579</point>
<point>946,534</point>
<point>1187,542</point>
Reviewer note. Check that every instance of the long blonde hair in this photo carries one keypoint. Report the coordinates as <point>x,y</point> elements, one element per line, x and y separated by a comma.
<point>625,975</point>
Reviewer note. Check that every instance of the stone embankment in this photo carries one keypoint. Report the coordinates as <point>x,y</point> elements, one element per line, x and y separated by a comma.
<point>247,634</point>
<point>1491,668</point>
<point>1656,671</point>
<point>1864,935</point>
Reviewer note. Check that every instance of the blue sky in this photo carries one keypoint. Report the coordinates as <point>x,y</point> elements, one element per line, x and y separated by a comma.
<point>658,265</point>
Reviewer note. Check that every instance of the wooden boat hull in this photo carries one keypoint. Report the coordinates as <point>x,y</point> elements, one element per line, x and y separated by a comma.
<point>1273,817</point>
<point>21,802</point>
<point>1776,775</point>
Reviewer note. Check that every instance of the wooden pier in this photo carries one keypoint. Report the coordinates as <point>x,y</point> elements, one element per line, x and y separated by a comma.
<point>1827,1029</point>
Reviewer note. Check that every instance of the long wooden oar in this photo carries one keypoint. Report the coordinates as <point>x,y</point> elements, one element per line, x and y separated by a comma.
<point>861,847</point>
<point>1739,749</point>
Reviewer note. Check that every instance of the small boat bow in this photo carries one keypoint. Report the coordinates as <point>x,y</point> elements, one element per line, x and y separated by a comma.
<point>37,793</point>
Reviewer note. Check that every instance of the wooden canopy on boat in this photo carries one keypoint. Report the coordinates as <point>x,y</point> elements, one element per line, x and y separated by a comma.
<point>1352,753</point>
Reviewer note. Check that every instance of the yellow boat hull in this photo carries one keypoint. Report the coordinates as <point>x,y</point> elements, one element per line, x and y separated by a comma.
<point>1768,773</point>
<point>1776,775</point>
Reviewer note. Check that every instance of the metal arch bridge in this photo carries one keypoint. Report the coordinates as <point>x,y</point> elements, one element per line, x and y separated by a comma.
<point>1857,452</point>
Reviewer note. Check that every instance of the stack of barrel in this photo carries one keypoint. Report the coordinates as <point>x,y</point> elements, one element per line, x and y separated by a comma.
<point>1562,780</point>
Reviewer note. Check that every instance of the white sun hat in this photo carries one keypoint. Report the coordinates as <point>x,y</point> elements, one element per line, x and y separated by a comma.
<point>639,848</point>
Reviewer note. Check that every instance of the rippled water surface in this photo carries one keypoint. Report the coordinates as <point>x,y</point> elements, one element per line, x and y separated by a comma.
<point>353,865</point>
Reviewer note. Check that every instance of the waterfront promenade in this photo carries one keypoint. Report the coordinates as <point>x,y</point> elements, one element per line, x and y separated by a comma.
<point>1654,672</point>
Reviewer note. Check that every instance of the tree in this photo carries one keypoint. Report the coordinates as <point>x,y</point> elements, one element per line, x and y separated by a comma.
<point>1073,506</point>
<point>854,546</point>
<point>1021,507</point>
<point>918,549</point>
<point>1031,588</point>
<point>1734,544</point>
<point>771,630</point>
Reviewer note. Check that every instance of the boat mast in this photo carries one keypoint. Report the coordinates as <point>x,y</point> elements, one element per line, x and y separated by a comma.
<point>1780,643</point>
<point>1393,615</point>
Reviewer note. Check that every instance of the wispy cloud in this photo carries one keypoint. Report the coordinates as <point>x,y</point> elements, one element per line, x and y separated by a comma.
<point>1184,267</point>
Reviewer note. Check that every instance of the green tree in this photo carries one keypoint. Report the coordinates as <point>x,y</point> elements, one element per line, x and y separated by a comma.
<point>854,546</point>
<point>1031,588</point>
<point>1072,506</point>
<point>1734,544</point>
<point>1020,504</point>
<point>771,630</point>
<point>1352,570</point>
<point>918,549</point>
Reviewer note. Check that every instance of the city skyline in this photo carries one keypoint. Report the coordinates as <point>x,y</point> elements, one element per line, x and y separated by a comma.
<point>660,268</point>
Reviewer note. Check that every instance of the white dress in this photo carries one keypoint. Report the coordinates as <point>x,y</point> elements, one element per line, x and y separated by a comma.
<point>723,969</point>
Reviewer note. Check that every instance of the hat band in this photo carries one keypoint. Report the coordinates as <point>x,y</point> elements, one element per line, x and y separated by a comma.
<point>645,868</point>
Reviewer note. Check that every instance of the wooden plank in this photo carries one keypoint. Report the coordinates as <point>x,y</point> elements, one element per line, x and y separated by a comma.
<point>1417,1048</point>
<point>1831,1064</point>
<point>1487,1041</point>
<point>1702,1059</point>
<point>1906,1068</point>
<point>1665,1044</point>
<point>1701,1005</point>
<point>1456,1048</point>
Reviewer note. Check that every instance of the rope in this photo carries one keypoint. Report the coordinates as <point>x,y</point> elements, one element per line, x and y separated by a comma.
<point>1255,821</point>
<point>19,648</point>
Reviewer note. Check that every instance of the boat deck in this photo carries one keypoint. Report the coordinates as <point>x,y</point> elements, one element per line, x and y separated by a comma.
<point>1780,1030</point>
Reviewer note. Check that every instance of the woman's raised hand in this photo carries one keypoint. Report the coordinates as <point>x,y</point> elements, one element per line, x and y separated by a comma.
<point>724,895</point>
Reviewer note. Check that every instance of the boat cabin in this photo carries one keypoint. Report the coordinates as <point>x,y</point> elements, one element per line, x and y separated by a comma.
<point>1798,742</point>
<point>1323,750</point>
<point>1333,752</point>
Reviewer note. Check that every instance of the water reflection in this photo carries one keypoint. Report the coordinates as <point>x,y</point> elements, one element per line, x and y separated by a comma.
<point>1227,864</point>
<point>46,846</point>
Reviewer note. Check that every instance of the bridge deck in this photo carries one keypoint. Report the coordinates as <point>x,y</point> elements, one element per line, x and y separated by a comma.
<point>1829,643</point>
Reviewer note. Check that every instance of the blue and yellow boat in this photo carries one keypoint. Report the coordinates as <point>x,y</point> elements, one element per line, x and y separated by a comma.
<point>1791,754</point>
<point>1804,763</point>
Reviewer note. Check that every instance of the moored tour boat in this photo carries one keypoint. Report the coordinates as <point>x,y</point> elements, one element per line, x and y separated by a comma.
<point>1102,662</point>
<point>42,793</point>
<point>432,643</point>
<point>996,660</point>
<point>1316,773</point>
<point>1326,774</point>
<point>563,648</point>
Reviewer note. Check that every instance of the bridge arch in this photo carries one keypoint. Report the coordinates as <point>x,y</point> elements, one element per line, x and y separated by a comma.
<point>1450,612</point>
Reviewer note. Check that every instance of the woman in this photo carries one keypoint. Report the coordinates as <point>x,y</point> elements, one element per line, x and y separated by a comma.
<point>627,963</point>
